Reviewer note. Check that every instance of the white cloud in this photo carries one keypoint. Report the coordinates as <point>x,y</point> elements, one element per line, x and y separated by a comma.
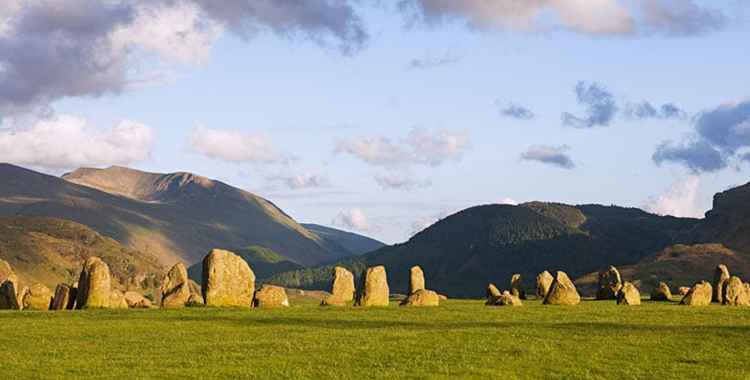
<point>301,181</point>
<point>234,146</point>
<point>354,219</point>
<point>401,182</point>
<point>420,147</point>
<point>595,17</point>
<point>508,201</point>
<point>67,142</point>
<point>679,200</point>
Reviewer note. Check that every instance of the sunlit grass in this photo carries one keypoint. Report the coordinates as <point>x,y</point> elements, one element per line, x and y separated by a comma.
<point>460,339</point>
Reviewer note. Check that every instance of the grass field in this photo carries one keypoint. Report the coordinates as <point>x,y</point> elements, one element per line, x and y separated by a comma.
<point>460,339</point>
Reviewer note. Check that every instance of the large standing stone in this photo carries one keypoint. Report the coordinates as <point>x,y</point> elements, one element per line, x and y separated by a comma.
<point>342,288</point>
<point>136,300</point>
<point>683,290</point>
<point>516,286</point>
<point>374,290</point>
<point>508,299</point>
<point>270,296</point>
<point>543,282</point>
<point>661,293</point>
<point>39,297</point>
<point>735,293</point>
<point>227,280</point>
<point>175,291</point>
<point>94,285</point>
<point>628,295</point>
<point>493,294</point>
<point>117,300</point>
<point>609,284</point>
<point>562,291</point>
<point>721,276</point>
<point>699,295</point>
<point>416,279</point>
<point>422,297</point>
<point>64,299</point>
<point>9,295</point>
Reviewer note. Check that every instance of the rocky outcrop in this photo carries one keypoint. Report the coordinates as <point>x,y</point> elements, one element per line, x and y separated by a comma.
<point>609,284</point>
<point>117,300</point>
<point>562,291</point>
<point>64,298</point>
<point>721,276</point>
<point>493,294</point>
<point>422,297</point>
<point>39,297</point>
<point>416,279</point>
<point>94,285</point>
<point>516,286</point>
<point>661,293</point>
<point>543,282</point>
<point>628,295</point>
<point>342,288</point>
<point>136,300</point>
<point>699,295</point>
<point>175,290</point>
<point>735,293</point>
<point>374,290</point>
<point>228,280</point>
<point>270,296</point>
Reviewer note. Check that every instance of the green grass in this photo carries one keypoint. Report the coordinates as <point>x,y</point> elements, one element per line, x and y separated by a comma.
<point>460,339</point>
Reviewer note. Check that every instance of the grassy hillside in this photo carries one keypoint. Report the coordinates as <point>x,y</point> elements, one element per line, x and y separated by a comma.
<point>462,253</point>
<point>51,251</point>
<point>678,265</point>
<point>265,263</point>
<point>595,340</point>
<point>177,217</point>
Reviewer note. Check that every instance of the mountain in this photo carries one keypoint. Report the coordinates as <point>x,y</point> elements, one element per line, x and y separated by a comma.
<point>728,222</point>
<point>463,252</point>
<point>351,242</point>
<point>174,217</point>
<point>51,251</point>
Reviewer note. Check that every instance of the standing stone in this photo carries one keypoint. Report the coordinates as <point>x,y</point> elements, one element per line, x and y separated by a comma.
<point>661,293</point>
<point>516,286</point>
<point>175,291</point>
<point>422,297</point>
<point>39,297</point>
<point>342,288</point>
<point>117,300</point>
<point>270,296</point>
<point>508,299</point>
<point>416,279</point>
<point>562,291</point>
<point>64,298</point>
<point>493,294</point>
<point>609,284</point>
<point>374,290</point>
<point>227,280</point>
<point>9,296</point>
<point>94,285</point>
<point>136,300</point>
<point>6,272</point>
<point>699,295</point>
<point>196,297</point>
<point>543,282</point>
<point>735,293</point>
<point>628,295</point>
<point>721,276</point>
<point>683,290</point>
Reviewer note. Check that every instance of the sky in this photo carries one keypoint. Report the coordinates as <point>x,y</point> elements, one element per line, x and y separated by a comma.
<point>382,117</point>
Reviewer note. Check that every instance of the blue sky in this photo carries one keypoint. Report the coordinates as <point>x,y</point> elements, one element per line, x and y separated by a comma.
<point>407,126</point>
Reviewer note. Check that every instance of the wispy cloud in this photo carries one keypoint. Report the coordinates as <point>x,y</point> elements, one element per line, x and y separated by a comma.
<point>679,200</point>
<point>600,104</point>
<point>550,155</point>
<point>431,62</point>
<point>354,219</point>
<point>515,111</point>
<point>235,146</point>
<point>401,182</point>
